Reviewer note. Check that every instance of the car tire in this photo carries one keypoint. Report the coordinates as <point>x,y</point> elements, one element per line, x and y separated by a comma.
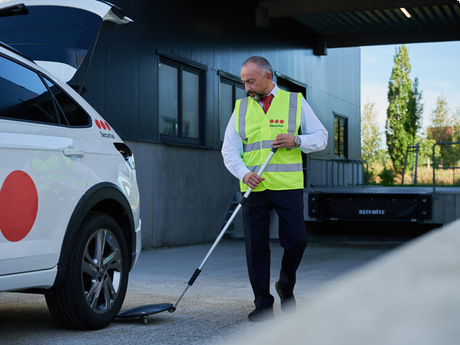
<point>96,278</point>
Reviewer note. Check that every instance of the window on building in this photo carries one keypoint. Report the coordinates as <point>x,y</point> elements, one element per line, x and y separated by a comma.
<point>340,136</point>
<point>288,84</point>
<point>230,90</point>
<point>180,101</point>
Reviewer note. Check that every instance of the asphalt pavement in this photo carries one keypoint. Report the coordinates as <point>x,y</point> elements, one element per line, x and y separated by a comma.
<point>214,309</point>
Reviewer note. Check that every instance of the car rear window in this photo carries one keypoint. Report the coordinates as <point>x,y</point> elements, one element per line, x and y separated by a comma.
<point>51,33</point>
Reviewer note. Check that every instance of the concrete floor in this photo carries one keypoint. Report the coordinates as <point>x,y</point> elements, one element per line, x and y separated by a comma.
<point>213,310</point>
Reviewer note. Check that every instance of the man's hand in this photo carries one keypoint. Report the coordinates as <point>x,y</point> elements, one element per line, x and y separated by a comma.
<point>284,141</point>
<point>252,179</point>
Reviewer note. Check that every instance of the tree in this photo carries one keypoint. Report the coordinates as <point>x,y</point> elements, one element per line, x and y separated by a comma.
<point>415,111</point>
<point>370,134</point>
<point>425,149</point>
<point>445,129</point>
<point>404,109</point>
<point>441,117</point>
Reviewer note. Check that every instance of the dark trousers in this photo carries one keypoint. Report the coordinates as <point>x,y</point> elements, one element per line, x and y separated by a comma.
<point>292,234</point>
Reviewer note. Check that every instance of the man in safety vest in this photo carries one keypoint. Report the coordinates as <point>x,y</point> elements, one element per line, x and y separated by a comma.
<point>271,117</point>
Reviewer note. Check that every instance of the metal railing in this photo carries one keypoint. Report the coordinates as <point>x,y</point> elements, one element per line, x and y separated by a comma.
<point>443,167</point>
<point>338,172</point>
<point>411,149</point>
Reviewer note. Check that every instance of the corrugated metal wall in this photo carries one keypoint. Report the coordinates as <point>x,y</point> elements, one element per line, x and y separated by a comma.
<point>185,189</point>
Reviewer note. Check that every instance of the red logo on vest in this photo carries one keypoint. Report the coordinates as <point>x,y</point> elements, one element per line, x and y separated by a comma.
<point>276,121</point>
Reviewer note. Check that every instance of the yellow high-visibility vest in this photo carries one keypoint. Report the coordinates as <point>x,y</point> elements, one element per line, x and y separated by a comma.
<point>258,130</point>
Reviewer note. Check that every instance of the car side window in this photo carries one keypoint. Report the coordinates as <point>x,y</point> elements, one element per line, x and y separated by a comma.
<point>74,115</point>
<point>24,96</point>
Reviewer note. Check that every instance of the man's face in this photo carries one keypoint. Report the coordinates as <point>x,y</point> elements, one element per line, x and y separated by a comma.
<point>256,82</point>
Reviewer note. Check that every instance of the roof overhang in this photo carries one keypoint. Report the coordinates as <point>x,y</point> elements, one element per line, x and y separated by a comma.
<point>352,23</point>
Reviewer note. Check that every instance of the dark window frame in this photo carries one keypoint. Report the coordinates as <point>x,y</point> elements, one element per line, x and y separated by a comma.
<point>184,65</point>
<point>234,82</point>
<point>291,84</point>
<point>340,141</point>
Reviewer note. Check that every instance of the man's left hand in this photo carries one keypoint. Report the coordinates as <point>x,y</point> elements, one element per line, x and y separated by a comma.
<point>284,141</point>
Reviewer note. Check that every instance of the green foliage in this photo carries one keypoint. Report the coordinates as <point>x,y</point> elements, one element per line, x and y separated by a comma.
<point>441,118</point>
<point>445,129</point>
<point>371,140</point>
<point>372,175</point>
<point>425,149</point>
<point>387,176</point>
<point>415,111</point>
<point>404,109</point>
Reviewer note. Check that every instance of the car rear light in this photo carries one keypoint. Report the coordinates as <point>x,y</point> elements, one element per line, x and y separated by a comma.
<point>126,153</point>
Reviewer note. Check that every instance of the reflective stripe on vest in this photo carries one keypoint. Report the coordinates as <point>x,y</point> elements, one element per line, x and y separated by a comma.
<point>278,167</point>
<point>242,119</point>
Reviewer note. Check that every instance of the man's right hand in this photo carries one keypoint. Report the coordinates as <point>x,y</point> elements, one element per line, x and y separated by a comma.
<point>252,179</point>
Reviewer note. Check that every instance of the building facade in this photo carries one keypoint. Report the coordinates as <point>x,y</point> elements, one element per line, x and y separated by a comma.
<point>167,83</point>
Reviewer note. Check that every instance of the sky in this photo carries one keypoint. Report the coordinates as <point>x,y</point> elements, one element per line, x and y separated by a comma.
<point>436,65</point>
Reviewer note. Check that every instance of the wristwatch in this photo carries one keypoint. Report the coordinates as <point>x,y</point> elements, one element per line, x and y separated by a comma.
<point>297,141</point>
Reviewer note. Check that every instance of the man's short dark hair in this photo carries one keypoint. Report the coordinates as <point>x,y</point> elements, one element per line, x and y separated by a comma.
<point>261,62</point>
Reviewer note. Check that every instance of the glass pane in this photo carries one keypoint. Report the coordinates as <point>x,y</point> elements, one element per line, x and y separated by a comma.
<point>342,138</point>
<point>52,33</point>
<point>75,115</point>
<point>225,107</point>
<point>23,96</point>
<point>336,136</point>
<point>167,102</point>
<point>191,105</point>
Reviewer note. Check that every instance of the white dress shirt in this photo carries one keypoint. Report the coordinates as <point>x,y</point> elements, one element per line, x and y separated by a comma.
<point>314,138</point>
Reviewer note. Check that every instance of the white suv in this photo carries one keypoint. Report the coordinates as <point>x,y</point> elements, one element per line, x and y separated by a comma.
<point>69,201</point>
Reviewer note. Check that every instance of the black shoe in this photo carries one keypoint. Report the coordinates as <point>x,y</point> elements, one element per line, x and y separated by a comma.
<point>288,303</point>
<point>261,314</point>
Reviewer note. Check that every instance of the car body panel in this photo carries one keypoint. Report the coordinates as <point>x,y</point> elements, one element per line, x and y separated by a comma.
<point>59,163</point>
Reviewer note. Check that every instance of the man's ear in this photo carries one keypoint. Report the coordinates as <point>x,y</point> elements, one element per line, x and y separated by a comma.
<point>269,76</point>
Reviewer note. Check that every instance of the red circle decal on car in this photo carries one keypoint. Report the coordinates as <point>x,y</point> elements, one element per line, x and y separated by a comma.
<point>18,206</point>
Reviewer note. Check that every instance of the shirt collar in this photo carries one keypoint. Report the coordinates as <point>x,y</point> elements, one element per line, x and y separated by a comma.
<point>275,90</point>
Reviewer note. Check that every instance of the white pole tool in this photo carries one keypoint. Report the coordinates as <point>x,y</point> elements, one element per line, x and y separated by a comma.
<point>145,311</point>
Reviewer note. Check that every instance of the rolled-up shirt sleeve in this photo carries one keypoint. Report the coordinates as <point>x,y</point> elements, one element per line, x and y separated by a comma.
<point>314,135</point>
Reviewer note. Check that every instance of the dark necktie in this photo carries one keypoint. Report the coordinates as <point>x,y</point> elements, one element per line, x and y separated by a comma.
<point>266,102</point>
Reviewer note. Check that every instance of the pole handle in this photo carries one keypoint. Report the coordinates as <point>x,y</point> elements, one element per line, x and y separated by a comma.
<point>259,172</point>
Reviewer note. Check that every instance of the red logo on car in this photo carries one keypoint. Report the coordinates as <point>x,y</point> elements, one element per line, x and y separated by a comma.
<point>102,125</point>
<point>18,206</point>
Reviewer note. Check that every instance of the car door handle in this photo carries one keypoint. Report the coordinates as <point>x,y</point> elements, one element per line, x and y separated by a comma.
<point>73,152</point>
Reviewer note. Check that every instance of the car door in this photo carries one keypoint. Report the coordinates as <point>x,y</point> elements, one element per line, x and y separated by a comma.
<point>42,170</point>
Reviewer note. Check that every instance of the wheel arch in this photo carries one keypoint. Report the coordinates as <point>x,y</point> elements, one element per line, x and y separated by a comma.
<point>104,197</point>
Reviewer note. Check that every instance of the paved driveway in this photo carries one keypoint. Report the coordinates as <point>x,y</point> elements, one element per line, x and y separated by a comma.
<point>214,309</point>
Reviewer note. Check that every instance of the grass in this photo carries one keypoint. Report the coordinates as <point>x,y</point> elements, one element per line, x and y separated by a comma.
<point>444,177</point>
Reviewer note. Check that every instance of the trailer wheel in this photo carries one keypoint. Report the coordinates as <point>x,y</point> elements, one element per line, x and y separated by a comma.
<point>96,278</point>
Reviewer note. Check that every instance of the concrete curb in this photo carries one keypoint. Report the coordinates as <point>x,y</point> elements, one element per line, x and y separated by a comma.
<point>411,296</point>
